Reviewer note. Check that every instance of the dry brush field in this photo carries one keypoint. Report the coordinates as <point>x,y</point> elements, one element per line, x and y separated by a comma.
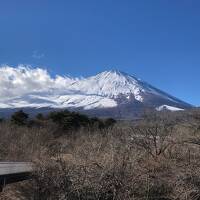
<point>156,158</point>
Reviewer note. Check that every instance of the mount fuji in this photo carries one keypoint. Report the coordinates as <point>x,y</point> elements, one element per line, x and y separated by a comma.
<point>107,94</point>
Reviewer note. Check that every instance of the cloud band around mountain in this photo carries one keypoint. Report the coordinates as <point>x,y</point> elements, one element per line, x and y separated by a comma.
<point>25,79</point>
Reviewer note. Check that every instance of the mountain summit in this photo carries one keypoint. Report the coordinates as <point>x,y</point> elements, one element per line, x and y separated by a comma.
<point>109,93</point>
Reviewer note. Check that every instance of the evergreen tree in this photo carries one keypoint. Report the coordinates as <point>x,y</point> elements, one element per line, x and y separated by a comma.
<point>40,116</point>
<point>19,118</point>
<point>109,122</point>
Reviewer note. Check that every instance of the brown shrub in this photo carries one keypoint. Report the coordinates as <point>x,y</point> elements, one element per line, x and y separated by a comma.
<point>152,159</point>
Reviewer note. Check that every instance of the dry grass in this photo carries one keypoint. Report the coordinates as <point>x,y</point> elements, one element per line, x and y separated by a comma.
<point>155,159</point>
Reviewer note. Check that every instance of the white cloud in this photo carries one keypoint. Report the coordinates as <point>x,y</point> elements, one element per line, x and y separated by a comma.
<point>23,80</point>
<point>37,55</point>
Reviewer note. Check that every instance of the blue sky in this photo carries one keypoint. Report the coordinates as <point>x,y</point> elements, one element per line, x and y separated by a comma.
<point>157,40</point>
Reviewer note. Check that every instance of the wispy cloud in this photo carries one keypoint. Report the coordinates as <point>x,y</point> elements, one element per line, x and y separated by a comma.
<point>37,55</point>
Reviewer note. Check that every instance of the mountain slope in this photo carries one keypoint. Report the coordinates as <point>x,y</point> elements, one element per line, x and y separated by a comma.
<point>110,93</point>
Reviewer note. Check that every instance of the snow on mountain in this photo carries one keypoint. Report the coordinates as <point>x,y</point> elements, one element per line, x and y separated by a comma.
<point>166,107</point>
<point>110,84</point>
<point>60,101</point>
<point>28,87</point>
<point>114,83</point>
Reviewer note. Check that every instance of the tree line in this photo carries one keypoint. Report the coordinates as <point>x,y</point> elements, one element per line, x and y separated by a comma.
<point>64,119</point>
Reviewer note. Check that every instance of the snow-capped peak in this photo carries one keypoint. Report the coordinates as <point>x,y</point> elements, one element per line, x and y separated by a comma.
<point>111,84</point>
<point>34,87</point>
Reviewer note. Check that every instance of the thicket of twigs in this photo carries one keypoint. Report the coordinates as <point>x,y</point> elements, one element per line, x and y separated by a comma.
<point>154,158</point>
